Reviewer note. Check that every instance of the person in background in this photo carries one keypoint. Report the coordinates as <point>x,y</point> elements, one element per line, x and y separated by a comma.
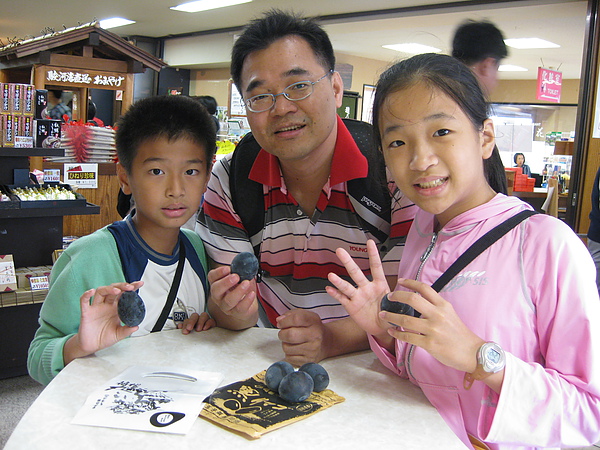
<point>480,45</point>
<point>59,110</point>
<point>166,165</point>
<point>512,342</point>
<point>519,160</point>
<point>283,67</point>
<point>210,103</point>
<point>593,235</point>
<point>91,115</point>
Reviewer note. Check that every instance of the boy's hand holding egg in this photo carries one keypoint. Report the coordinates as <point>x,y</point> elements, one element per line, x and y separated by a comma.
<point>131,308</point>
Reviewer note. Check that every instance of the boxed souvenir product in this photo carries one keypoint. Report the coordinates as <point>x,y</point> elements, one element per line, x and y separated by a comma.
<point>41,102</point>
<point>16,98</point>
<point>4,97</point>
<point>8,279</point>
<point>28,99</point>
<point>8,129</point>
<point>24,126</point>
<point>47,133</point>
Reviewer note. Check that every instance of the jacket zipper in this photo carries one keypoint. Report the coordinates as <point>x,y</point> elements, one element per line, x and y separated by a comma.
<point>426,254</point>
<point>424,257</point>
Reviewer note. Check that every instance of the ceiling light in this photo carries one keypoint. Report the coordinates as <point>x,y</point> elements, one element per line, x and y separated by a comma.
<point>413,49</point>
<point>115,22</point>
<point>526,43</point>
<point>511,68</point>
<point>204,5</point>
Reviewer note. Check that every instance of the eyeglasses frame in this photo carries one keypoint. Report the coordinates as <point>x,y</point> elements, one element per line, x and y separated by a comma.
<point>274,96</point>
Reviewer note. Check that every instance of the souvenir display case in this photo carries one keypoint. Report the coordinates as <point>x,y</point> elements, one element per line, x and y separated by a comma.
<point>77,59</point>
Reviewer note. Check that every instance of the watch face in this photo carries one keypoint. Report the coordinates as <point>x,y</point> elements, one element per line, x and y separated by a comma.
<point>493,357</point>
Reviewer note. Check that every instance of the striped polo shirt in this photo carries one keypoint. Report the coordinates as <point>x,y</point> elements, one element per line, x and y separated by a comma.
<point>297,252</point>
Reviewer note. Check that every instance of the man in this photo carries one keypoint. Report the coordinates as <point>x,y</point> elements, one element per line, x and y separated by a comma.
<point>593,234</point>
<point>480,45</point>
<point>59,109</point>
<point>283,66</point>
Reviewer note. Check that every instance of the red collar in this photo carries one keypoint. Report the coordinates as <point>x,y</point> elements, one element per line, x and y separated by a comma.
<point>348,162</point>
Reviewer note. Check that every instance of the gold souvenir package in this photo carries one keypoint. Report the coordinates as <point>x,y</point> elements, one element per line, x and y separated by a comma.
<point>251,408</point>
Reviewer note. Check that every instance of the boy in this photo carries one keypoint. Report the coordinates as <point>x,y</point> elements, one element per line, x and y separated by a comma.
<point>165,147</point>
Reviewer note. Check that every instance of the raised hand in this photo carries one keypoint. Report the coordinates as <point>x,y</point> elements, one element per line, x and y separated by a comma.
<point>100,326</point>
<point>362,302</point>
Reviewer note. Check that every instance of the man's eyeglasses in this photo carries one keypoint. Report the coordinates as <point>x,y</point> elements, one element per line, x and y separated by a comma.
<point>294,92</point>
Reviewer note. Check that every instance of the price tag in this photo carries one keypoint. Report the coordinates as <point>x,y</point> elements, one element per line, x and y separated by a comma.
<point>23,142</point>
<point>38,283</point>
<point>51,175</point>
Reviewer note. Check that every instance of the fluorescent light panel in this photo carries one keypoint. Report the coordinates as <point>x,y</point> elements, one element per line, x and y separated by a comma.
<point>204,5</point>
<point>527,43</point>
<point>412,48</point>
<point>511,68</point>
<point>115,22</point>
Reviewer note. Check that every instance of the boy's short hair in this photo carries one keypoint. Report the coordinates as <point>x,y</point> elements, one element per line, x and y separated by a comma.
<point>272,26</point>
<point>475,41</point>
<point>171,117</point>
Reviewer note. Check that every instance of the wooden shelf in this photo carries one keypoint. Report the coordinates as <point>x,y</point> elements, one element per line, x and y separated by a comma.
<point>37,151</point>
<point>88,209</point>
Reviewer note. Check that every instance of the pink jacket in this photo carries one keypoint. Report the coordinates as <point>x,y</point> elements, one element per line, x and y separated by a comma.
<point>534,293</point>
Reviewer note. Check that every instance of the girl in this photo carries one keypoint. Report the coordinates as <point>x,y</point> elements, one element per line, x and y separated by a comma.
<point>509,350</point>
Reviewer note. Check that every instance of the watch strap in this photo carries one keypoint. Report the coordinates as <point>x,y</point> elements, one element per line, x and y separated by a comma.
<point>480,373</point>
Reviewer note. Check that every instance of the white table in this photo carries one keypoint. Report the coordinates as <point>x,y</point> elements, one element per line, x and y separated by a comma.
<point>380,408</point>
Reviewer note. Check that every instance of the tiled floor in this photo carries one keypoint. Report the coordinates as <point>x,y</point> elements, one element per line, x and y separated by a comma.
<point>16,394</point>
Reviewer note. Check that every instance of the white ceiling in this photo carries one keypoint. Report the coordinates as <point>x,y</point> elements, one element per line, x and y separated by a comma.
<point>562,22</point>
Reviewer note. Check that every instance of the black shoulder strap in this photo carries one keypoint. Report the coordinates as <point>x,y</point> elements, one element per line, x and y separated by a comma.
<point>160,323</point>
<point>479,247</point>
<point>370,196</point>
<point>246,194</point>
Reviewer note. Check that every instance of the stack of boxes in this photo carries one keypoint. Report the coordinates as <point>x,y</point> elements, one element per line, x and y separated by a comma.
<point>23,118</point>
<point>523,183</point>
<point>22,292</point>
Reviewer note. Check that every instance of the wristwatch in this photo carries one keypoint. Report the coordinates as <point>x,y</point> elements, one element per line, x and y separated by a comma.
<point>490,359</point>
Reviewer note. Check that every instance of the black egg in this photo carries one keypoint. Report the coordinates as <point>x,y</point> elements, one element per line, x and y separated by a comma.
<point>396,307</point>
<point>296,387</point>
<point>245,264</point>
<point>131,309</point>
<point>318,374</point>
<point>276,372</point>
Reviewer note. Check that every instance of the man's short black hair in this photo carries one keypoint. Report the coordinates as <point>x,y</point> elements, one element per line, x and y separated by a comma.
<point>475,41</point>
<point>208,101</point>
<point>56,92</point>
<point>171,117</point>
<point>272,26</point>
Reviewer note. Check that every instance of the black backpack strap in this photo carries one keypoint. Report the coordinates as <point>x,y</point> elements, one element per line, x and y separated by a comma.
<point>370,196</point>
<point>246,194</point>
<point>479,247</point>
